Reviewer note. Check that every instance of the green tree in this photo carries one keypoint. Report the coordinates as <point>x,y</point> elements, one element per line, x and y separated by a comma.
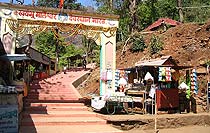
<point>105,6</point>
<point>196,10</point>
<point>90,48</point>
<point>167,8</point>
<point>68,4</point>
<point>144,15</point>
<point>45,43</point>
<point>68,51</point>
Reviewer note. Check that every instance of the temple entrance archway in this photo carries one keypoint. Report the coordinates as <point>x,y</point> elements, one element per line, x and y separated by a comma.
<point>19,20</point>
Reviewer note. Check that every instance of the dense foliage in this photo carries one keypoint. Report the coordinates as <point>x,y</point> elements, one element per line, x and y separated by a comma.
<point>139,14</point>
<point>138,44</point>
<point>45,43</point>
<point>155,45</point>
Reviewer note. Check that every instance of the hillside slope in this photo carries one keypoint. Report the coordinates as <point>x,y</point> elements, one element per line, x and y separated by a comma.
<point>188,44</point>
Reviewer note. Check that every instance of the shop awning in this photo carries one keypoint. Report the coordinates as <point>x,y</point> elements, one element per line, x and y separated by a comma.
<point>35,55</point>
<point>14,57</point>
<point>166,61</point>
<point>153,62</point>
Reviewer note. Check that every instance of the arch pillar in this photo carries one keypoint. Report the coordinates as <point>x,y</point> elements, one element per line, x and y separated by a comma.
<point>107,63</point>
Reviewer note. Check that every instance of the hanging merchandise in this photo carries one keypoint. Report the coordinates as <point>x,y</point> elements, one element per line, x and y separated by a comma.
<point>122,73</point>
<point>103,76</point>
<point>194,85</point>
<point>164,74</point>
<point>168,73</point>
<point>126,75</point>
<point>117,78</point>
<point>109,74</point>
<point>161,76</point>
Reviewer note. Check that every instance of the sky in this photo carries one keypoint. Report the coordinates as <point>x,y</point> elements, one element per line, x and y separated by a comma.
<point>83,2</point>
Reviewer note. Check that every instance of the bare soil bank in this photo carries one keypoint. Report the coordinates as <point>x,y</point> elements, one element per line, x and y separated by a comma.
<point>166,121</point>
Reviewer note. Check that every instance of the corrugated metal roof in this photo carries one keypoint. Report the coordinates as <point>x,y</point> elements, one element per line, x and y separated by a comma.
<point>153,62</point>
<point>167,21</point>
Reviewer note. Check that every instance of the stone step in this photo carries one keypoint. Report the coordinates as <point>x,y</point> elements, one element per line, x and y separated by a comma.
<point>54,104</point>
<point>52,91</point>
<point>53,96</point>
<point>48,87</point>
<point>52,112</point>
<point>58,114</point>
<point>57,121</point>
<point>54,108</point>
<point>72,100</point>
<point>98,128</point>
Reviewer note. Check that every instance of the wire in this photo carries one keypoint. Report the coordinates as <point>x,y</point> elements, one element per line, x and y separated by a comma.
<point>194,7</point>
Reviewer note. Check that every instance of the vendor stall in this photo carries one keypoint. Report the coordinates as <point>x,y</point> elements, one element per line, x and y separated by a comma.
<point>161,71</point>
<point>166,77</point>
<point>151,82</point>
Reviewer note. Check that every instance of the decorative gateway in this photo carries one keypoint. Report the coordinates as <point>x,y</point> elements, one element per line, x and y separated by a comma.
<point>20,20</point>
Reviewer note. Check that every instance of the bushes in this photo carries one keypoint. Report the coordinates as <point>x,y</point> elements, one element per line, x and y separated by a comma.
<point>155,45</point>
<point>138,44</point>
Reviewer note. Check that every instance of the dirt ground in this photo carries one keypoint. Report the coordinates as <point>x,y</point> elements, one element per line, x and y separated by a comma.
<point>166,123</point>
<point>186,129</point>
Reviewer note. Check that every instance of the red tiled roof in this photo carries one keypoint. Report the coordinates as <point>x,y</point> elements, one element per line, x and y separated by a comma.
<point>167,21</point>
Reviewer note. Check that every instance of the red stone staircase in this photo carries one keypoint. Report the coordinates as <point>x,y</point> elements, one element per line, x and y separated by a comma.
<point>53,105</point>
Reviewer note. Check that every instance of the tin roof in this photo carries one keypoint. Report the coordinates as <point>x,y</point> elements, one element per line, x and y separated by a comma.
<point>157,23</point>
<point>155,62</point>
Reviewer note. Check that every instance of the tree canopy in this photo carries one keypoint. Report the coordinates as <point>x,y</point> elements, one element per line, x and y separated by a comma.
<point>68,4</point>
<point>136,15</point>
<point>45,43</point>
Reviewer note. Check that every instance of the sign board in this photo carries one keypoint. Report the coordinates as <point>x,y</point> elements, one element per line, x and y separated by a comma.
<point>208,95</point>
<point>8,118</point>
<point>57,17</point>
<point>208,91</point>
